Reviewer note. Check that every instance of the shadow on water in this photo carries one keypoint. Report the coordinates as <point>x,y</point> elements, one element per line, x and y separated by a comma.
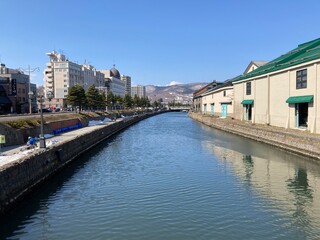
<point>40,198</point>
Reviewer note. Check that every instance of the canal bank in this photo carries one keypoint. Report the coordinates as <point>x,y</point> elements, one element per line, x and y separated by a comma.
<point>21,176</point>
<point>297,141</point>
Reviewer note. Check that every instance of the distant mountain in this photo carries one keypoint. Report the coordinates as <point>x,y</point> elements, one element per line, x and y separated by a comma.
<point>181,93</point>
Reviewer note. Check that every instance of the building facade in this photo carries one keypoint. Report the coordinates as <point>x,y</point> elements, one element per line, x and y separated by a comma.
<point>61,74</point>
<point>138,90</point>
<point>197,96</point>
<point>16,86</point>
<point>127,80</point>
<point>91,76</point>
<point>113,82</point>
<point>218,101</point>
<point>284,92</point>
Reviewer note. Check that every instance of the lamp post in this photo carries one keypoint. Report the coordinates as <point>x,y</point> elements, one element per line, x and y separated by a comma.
<point>41,100</point>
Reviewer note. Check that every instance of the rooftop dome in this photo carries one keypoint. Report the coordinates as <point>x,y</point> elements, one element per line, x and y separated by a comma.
<point>114,72</point>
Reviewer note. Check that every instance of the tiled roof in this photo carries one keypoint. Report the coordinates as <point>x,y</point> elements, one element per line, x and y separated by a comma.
<point>205,88</point>
<point>303,53</point>
<point>221,85</point>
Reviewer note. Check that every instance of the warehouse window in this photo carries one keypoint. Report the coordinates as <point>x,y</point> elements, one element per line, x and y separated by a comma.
<point>248,88</point>
<point>301,79</point>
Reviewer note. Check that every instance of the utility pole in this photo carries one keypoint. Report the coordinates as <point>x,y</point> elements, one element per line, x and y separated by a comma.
<point>30,93</point>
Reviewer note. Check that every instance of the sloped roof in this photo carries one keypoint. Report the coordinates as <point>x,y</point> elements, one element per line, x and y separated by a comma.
<point>221,85</point>
<point>255,63</point>
<point>303,53</point>
<point>205,88</point>
<point>259,63</point>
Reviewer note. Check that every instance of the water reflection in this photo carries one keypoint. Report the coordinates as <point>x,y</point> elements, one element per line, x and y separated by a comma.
<point>303,197</point>
<point>248,163</point>
<point>287,184</point>
<point>169,177</point>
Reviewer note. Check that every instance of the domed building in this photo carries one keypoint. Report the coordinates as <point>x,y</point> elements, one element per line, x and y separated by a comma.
<point>113,81</point>
<point>114,72</point>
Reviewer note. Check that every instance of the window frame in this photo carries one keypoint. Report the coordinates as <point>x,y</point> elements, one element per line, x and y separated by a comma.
<point>301,79</point>
<point>248,88</point>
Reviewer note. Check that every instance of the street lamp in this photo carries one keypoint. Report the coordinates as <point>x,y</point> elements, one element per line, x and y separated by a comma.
<point>41,100</point>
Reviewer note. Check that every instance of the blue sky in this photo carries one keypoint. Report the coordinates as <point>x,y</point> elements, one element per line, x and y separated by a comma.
<point>155,41</point>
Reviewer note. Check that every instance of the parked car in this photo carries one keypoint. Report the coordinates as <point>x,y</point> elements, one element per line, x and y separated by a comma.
<point>46,110</point>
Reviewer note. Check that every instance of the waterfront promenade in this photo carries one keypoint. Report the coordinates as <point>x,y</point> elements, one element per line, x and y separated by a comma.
<point>298,141</point>
<point>14,153</point>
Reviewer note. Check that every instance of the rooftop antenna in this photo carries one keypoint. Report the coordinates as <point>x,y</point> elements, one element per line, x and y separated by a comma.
<point>114,64</point>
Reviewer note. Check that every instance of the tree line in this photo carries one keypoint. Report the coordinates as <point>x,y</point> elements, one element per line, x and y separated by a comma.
<point>94,100</point>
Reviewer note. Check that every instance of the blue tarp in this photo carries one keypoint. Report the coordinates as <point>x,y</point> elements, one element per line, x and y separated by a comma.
<point>66,129</point>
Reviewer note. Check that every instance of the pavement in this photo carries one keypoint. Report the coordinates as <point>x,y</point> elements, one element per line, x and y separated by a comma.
<point>14,153</point>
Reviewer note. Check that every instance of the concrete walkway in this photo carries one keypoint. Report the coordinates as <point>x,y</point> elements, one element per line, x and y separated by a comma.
<point>14,153</point>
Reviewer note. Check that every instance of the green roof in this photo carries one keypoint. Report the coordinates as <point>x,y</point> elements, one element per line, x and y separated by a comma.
<point>247,102</point>
<point>300,99</point>
<point>303,53</point>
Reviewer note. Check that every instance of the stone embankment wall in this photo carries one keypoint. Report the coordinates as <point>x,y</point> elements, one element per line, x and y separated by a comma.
<point>295,141</point>
<point>22,176</point>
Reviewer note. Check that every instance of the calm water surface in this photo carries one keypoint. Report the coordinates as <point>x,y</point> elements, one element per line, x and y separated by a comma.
<point>169,177</point>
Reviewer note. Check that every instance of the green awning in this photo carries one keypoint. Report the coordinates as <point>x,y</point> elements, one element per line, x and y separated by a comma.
<point>300,99</point>
<point>247,102</point>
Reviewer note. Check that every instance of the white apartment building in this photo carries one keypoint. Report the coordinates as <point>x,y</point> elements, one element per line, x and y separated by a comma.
<point>138,90</point>
<point>61,74</point>
<point>127,80</point>
<point>91,76</point>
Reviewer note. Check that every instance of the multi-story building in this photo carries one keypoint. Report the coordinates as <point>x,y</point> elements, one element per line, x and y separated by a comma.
<point>197,96</point>
<point>138,90</point>
<point>17,86</point>
<point>91,76</point>
<point>218,101</point>
<point>284,92</point>
<point>113,82</point>
<point>127,80</point>
<point>61,74</point>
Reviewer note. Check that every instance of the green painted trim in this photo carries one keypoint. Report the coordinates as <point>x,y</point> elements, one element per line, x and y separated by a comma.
<point>247,102</point>
<point>304,53</point>
<point>300,99</point>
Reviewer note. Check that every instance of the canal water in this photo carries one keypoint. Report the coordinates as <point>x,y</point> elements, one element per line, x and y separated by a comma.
<point>169,177</point>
